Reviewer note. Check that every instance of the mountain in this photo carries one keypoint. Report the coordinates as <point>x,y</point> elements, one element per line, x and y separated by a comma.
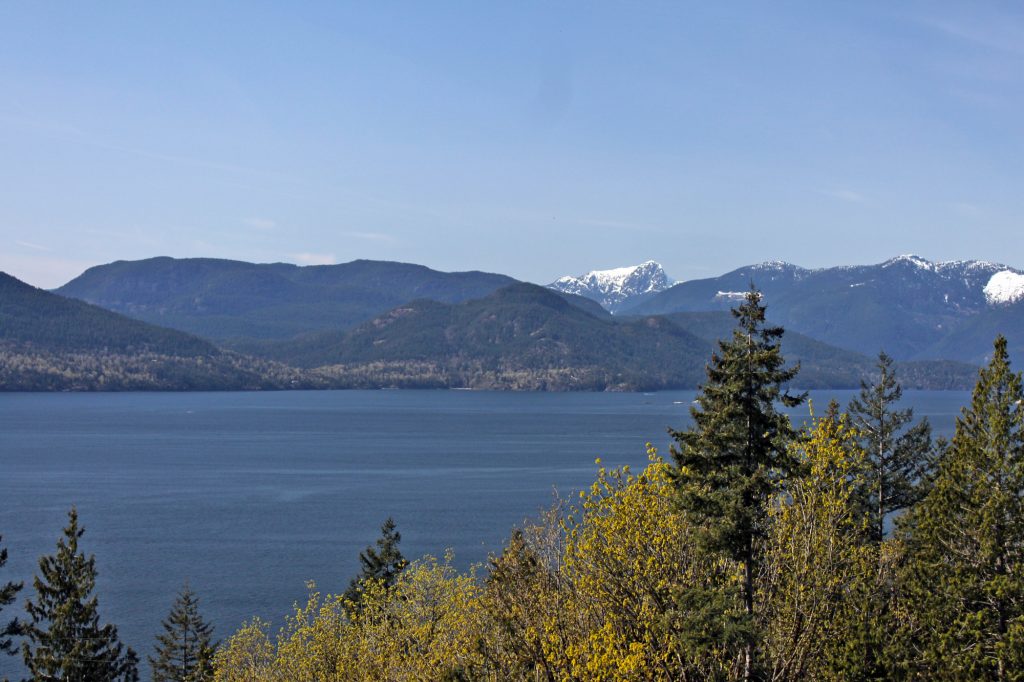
<point>48,342</point>
<point>40,319</point>
<point>527,337</point>
<point>522,336</point>
<point>912,308</point>
<point>224,299</point>
<point>824,366</point>
<point>619,288</point>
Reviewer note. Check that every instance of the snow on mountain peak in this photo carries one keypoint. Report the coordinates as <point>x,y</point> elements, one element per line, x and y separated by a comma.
<point>916,261</point>
<point>774,265</point>
<point>612,287</point>
<point>1004,287</point>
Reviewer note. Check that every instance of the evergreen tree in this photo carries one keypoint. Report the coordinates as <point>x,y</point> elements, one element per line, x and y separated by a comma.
<point>731,460</point>
<point>64,638</point>
<point>898,459</point>
<point>8,592</point>
<point>184,651</point>
<point>963,585</point>
<point>381,564</point>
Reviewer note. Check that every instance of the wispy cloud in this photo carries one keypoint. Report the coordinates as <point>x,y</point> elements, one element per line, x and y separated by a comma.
<point>261,224</point>
<point>372,237</point>
<point>967,209</point>
<point>313,258</point>
<point>71,133</point>
<point>1003,34</point>
<point>619,225</point>
<point>847,195</point>
<point>30,245</point>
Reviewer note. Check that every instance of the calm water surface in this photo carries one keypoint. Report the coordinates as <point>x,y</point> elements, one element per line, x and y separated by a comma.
<point>249,495</point>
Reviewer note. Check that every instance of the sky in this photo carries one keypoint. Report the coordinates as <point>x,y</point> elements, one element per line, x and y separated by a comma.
<point>535,139</point>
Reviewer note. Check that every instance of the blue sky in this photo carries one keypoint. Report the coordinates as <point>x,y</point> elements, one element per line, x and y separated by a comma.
<point>534,139</point>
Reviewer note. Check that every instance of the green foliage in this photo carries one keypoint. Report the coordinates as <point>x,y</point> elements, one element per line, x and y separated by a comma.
<point>63,638</point>
<point>380,565</point>
<point>8,592</point>
<point>732,460</point>
<point>819,577</point>
<point>962,601</point>
<point>184,651</point>
<point>898,458</point>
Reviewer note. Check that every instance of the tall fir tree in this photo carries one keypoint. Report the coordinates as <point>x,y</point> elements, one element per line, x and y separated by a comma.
<point>63,638</point>
<point>730,462</point>
<point>962,589</point>
<point>184,650</point>
<point>898,458</point>
<point>8,592</point>
<point>382,564</point>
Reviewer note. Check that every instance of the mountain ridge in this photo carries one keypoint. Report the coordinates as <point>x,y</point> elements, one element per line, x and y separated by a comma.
<point>617,288</point>
<point>52,343</point>
<point>223,299</point>
<point>907,305</point>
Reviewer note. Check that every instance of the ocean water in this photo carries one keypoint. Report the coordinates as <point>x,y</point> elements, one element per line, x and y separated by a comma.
<point>247,496</point>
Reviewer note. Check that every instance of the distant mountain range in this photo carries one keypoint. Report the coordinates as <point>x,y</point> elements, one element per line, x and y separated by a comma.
<point>529,338</point>
<point>617,288</point>
<point>225,299</point>
<point>375,324</point>
<point>910,307</point>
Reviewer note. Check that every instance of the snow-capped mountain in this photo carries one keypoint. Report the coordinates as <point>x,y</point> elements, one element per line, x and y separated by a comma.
<point>616,288</point>
<point>1004,287</point>
<point>911,307</point>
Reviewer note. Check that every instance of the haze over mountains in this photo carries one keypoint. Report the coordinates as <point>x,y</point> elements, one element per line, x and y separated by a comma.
<point>376,323</point>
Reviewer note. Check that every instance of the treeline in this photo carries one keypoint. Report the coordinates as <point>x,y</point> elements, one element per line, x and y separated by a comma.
<point>492,376</point>
<point>854,547</point>
<point>24,367</point>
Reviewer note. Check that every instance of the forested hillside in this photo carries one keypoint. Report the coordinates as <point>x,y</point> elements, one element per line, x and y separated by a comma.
<point>224,299</point>
<point>52,343</point>
<point>521,337</point>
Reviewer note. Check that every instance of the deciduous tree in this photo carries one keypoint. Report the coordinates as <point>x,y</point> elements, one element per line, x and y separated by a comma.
<point>820,566</point>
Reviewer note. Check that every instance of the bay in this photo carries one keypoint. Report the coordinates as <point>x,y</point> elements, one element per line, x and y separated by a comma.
<point>247,496</point>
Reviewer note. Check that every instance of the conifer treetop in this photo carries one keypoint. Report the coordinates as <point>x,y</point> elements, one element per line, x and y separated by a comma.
<point>63,637</point>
